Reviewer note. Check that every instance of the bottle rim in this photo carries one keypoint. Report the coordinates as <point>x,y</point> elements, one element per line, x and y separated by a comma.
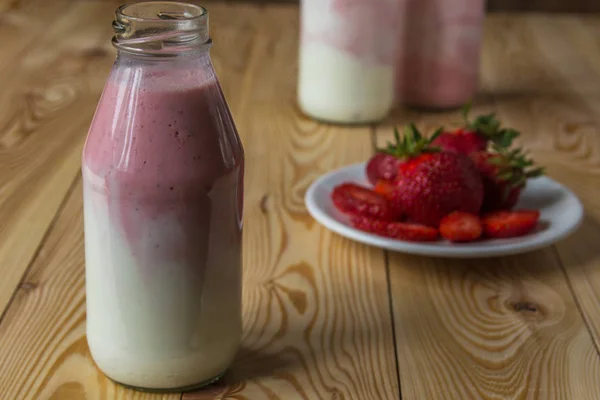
<point>161,28</point>
<point>161,15</point>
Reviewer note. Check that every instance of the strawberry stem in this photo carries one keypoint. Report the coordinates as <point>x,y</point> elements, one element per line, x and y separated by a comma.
<point>465,112</point>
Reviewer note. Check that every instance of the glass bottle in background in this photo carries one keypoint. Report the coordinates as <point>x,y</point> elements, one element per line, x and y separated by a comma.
<point>163,194</point>
<point>438,54</point>
<point>347,57</point>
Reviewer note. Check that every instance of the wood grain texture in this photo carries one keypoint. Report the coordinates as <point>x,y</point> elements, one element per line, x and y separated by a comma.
<point>48,97</point>
<point>316,315</point>
<point>565,129</point>
<point>493,329</point>
<point>500,328</point>
<point>23,22</point>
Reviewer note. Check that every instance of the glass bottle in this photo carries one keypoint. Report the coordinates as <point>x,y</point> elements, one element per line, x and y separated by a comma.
<point>438,55</point>
<point>163,174</point>
<point>347,59</point>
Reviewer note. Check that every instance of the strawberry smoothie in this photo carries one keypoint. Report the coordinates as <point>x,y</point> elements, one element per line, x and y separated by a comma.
<point>163,191</point>
<point>438,55</point>
<point>347,59</point>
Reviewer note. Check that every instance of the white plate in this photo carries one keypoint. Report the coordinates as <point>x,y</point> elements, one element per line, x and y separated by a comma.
<point>561,214</point>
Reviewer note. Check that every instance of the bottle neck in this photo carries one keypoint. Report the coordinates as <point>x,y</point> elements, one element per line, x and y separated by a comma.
<point>161,29</point>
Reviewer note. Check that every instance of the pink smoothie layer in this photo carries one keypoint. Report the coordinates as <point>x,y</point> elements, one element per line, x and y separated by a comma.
<point>162,146</point>
<point>438,56</point>
<point>365,29</point>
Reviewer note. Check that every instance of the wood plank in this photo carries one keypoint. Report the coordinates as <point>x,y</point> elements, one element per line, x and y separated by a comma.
<point>48,97</point>
<point>567,133</point>
<point>316,316</point>
<point>22,22</point>
<point>502,328</point>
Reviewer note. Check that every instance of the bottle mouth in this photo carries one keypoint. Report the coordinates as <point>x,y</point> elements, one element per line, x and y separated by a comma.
<point>161,28</point>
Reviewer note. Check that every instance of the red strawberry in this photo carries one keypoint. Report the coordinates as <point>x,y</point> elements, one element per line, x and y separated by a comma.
<point>504,174</point>
<point>475,135</point>
<point>461,227</point>
<point>507,224</point>
<point>357,200</point>
<point>382,166</point>
<point>396,230</point>
<point>432,184</point>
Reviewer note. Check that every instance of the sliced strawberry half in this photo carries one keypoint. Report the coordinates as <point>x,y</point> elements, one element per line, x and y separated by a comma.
<point>461,227</point>
<point>507,224</point>
<point>396,230</point>
<point>360,201</point>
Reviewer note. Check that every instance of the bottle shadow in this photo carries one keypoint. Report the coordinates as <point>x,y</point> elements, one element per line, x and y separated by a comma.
<point>249,364</point>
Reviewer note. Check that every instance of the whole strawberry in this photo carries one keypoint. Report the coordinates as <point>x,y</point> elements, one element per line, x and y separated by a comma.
<point>432,184</point>
<point>382,166</point>
<point>504,174</point>
<point>463,141</point>
<point>475,135</point>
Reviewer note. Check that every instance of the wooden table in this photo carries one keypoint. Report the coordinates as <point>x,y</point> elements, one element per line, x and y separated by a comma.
<point>324,317</point>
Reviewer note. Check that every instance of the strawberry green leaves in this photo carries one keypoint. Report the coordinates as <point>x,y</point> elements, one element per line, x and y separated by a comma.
<point>412,142</point>
<point>514,166</point>
<point>490,127</point>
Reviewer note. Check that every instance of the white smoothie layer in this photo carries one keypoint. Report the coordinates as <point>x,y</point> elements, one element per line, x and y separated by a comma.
<point>338,87</point>
<point>154,323</point>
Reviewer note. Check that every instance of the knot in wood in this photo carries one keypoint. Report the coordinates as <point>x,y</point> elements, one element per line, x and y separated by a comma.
<point>264,206</point>
<point>525,306</point>
<point>337,394</point>
<point>28,286</point>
